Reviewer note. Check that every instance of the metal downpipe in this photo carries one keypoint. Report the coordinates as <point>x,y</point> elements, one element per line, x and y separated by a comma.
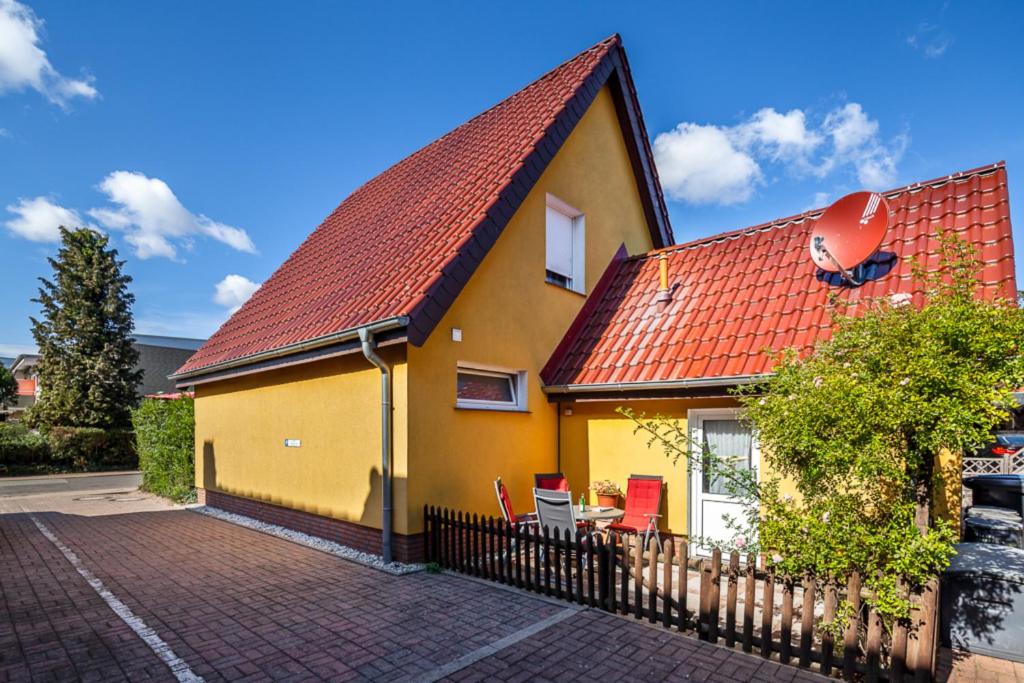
<point>370,351</point>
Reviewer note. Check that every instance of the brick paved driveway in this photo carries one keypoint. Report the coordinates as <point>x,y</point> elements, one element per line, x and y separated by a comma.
<point>237,604</point>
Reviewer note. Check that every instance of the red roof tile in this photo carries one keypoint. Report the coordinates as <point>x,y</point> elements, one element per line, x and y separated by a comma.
<point>742,295</point>
<point>406,242</point>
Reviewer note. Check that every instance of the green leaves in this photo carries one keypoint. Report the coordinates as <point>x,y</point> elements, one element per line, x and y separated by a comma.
<point>165,433</point>
<point>8,388</point>
<point>87,372</point>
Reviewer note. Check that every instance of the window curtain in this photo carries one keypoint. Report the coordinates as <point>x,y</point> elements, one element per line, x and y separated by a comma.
<point>730,441</point>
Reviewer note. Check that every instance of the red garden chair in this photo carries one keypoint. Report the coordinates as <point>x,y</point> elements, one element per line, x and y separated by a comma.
<point>551,482</point>
<point>505,504</point>
<point>643,504</point>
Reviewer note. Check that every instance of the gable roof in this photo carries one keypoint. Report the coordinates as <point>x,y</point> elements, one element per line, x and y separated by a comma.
<point>401,247</point>
<point>741,296</point>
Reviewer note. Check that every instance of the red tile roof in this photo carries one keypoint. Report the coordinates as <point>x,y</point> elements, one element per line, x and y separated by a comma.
<point>406,242</point>
<point>742,292</point>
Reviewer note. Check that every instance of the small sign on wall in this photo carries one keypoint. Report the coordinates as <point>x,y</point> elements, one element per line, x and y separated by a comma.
<point>292,443</point>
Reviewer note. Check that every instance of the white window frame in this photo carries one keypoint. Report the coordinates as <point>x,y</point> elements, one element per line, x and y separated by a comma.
<point>517,378</point>
<point>578,277</point>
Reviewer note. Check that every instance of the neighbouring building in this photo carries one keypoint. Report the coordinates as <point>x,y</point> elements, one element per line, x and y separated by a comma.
<point>24,370</point>
<point>483,306</point>
<point>159,356</point>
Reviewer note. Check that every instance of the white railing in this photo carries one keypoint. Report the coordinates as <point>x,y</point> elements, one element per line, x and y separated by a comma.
<point>1012,463</point>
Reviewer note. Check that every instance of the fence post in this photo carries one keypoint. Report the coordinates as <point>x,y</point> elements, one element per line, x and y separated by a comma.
<point>807,621</point>
<point>624,593</point>
<point>749,596</point>
<point>925,663</point>
<point>703,621</point>
<point>578,553</point>
<point>786,632</point>
<point>683,559</point>
<point>767,612</point>
<point>851,648</point>
<point>652,579</point>
<point>602,573</point>
<point>874,648</point>
<point>460,548</point>
<point>730,599</point>
<point>568,565</point>
<point>547,561</point>
<point>449,539</point>
<point>638,579</point>
<point>474,535</point>
<point>666,589</point>
<point>715,596</point>
<point>558,562</point>
<point>827,639</point>
<point>536,558</point>
<point>589,542</point>
<point>613,568</point>
<point>426,534</point>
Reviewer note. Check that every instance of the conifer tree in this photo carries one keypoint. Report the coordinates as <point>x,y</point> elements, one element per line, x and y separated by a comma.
<point>87,372</point>
<point>8,388</point>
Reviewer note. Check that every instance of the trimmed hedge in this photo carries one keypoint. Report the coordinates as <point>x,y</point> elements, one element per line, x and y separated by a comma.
<point>165,431</point>
<point>65,449</point>
<point>19,448</point>
<point>91,448</point>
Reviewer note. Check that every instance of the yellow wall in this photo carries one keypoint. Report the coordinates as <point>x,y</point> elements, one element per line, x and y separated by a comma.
<point>333,406</point>
<point>598,443</point>
<point>511,318</point>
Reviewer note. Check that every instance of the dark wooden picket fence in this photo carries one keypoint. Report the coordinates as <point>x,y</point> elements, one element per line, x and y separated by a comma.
<point>669,587</point>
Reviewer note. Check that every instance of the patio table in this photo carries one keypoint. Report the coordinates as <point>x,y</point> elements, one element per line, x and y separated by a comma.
<point>599,514</point>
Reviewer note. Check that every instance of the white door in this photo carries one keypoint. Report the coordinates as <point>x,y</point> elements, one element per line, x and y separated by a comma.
<point>723,434</point>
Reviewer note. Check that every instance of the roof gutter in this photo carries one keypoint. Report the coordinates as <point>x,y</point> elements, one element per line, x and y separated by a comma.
<point>349,334</point>
<point>624,387</point>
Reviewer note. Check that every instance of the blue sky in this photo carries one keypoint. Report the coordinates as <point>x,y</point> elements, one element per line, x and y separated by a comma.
<point>208,139</point>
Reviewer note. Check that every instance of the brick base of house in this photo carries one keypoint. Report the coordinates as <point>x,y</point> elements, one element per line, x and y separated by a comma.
<point>405,548</point>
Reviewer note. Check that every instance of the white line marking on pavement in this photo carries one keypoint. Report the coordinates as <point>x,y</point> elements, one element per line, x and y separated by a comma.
<point>497,646</point>
<point>177,665</point>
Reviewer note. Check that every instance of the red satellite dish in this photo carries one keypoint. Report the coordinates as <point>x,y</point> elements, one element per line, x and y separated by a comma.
<point>849,232</point>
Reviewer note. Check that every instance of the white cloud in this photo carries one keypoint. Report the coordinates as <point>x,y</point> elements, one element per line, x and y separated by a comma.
<point>856,141</point>
<point>931,40</point>
<point>701,164</point>
<point>704,164</point>
<point>783,137</point>
<point>155,221</point>
<point>23,64</point>
<point>39,219</point>
<point>233,291</point>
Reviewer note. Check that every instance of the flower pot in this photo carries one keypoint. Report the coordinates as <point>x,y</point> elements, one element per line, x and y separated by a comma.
<point>607,501</point>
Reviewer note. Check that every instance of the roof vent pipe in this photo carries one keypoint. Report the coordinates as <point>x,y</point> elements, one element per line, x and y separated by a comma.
<point>386,434</point>
<point>664,291</point>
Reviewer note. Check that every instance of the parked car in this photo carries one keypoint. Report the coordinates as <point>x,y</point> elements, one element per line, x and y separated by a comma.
<point>1005,444</point>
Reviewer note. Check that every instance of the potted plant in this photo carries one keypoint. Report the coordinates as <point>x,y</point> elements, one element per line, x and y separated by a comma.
<point>607,492</point>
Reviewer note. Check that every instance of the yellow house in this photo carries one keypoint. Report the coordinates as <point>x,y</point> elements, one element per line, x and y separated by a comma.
<point>483,306</point>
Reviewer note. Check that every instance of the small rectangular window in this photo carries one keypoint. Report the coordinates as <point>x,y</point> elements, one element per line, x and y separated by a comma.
<point>564,245</point>
<point>489,389</point>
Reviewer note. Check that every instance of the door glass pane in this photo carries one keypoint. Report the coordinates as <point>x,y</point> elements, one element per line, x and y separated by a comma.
<point>729,441</point>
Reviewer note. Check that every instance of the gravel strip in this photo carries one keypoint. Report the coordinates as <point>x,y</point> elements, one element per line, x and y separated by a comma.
<point>315,542</point>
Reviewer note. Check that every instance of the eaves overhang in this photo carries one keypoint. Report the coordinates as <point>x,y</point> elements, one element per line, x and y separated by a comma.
<point>392,330</point>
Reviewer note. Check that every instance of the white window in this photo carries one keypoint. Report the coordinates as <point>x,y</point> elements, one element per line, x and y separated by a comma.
<point>564,245</point>
<point>490,388</point>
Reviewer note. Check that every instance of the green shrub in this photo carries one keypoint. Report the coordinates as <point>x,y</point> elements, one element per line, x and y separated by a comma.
<point>165,430</point>
<point>20,449</point>
<point>91,448</point>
